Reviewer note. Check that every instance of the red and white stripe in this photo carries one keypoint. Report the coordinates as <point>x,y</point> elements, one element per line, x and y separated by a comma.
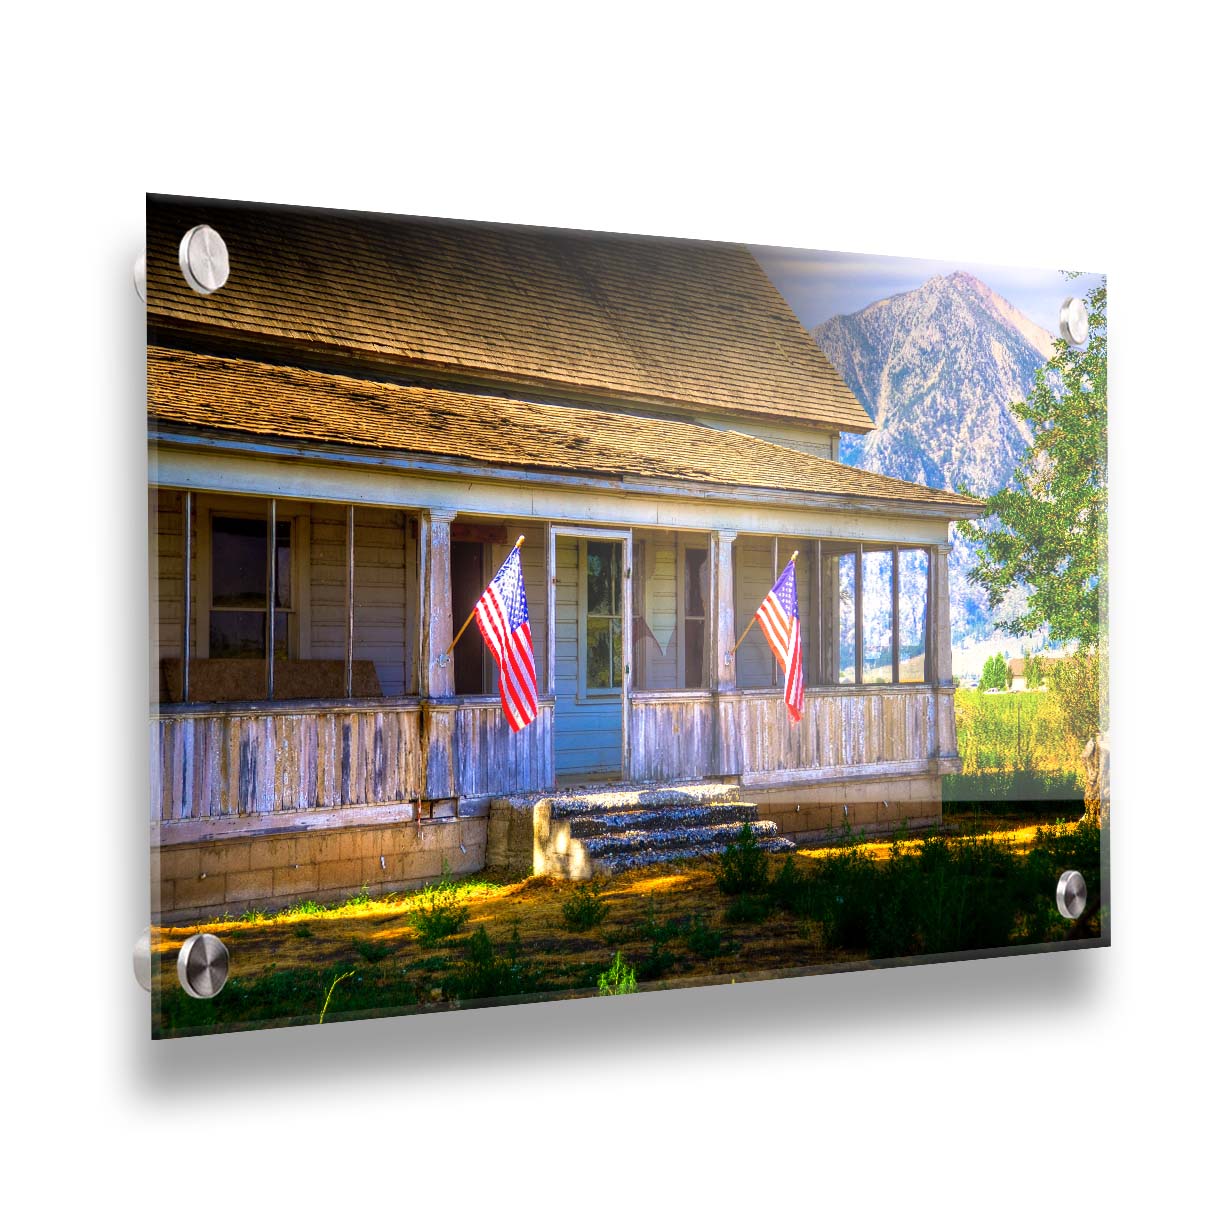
<point>516,674</point>
<point>785,640</point>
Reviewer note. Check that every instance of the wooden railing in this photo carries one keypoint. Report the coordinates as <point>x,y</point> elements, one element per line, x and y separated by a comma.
<point>490,759</point>
<point>839,735</point>
<point>217,762</point>
<point>671,736</point>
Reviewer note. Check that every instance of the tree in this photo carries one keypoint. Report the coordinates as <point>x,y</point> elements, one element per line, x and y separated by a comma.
<point>1034,673</point>
<point>1046,529</point>
<point>994,673</point>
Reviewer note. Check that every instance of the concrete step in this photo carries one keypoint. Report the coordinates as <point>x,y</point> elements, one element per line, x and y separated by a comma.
<point>707,838</point>
<point>627,860</point>
<point>577,833</point>
<point>608,800</point>
<point>688,815</point>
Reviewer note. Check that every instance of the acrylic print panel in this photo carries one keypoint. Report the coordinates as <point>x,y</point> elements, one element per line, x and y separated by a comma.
<point>538,614</point>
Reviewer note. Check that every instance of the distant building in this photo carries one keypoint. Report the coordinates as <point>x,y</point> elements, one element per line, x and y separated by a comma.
<point>1016,668</point>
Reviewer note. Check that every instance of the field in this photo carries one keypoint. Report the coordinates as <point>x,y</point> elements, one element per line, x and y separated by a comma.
<point>1015,747</point>
<point>740,916</point>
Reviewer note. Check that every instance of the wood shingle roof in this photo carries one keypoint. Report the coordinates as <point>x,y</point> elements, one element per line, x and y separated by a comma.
<point>691,327</point>
<point>253,398</point>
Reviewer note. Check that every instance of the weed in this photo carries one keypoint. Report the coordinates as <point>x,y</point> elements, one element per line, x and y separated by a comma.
<point>334,984</point>
<point>253,915</point>
<point>358,899</point>
<point>743,867</point>
<point>618,979</point>
<point>703,940</point>
<point>486,975</point>
<point>585,909</point>
<point>302,930</point>
<point>436,915</point>
<point>372,952</point>
<point>302,908</point>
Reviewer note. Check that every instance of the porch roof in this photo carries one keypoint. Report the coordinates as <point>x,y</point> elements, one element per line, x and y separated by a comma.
<point>256,398</point>
<point>683,324</point>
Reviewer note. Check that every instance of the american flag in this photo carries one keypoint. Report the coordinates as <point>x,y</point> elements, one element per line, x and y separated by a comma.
<point>501,614</point>
<point>779,617</point>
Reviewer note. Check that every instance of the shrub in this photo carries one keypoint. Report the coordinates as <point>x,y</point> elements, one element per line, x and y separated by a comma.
<point>748,907</point>
<point>743,867</point>
<point>486,975</point>
<point>372,952</point>
<point>437,915</point>
<point>585,909</point>
<point>705,941</point>
<point>619,978</point>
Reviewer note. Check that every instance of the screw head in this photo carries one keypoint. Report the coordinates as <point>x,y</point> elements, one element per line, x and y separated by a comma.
<point>203,966</point>
<point>204,259</point>
<point>1071,895</point>
<point>1073,321</point>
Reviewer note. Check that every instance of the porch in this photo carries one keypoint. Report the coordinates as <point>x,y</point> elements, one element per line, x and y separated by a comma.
<point>312,733</point>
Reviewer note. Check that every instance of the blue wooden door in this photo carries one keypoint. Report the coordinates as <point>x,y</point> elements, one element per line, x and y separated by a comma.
<point>590,592</point>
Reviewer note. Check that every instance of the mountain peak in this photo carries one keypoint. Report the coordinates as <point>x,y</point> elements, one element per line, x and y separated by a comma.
<point>937,369</point>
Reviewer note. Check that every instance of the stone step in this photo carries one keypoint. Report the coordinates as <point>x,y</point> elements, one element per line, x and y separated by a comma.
<point>598,801</point>
<point>669,837</point>
<point>627,860</point>
<point>689,815</point>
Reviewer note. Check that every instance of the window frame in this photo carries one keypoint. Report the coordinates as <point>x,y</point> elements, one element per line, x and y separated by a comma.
<point>583,691</point>
<point>209,507</point>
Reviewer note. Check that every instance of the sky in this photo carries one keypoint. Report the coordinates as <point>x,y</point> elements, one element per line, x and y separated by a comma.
<point>821,284</point>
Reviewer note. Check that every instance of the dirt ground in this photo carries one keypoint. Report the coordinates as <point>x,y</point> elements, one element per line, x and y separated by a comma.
<point>670,921</point>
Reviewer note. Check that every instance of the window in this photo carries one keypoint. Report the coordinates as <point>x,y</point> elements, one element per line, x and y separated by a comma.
<point>238,613</point>
<point>877,579</point>
<point>914,574</point>
<point>602,590</point>
<point>696,596</point>
<point>873,620</point>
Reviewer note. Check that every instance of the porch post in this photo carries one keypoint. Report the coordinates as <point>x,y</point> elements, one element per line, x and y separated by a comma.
<point>946,752</point>
<point>726,744</point>
<point>437,668</point>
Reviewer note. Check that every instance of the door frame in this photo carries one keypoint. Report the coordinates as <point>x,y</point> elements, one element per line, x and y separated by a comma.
<point>580,531</point>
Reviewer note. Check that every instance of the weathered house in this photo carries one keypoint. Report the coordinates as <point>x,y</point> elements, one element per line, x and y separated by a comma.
<point>346,440</point>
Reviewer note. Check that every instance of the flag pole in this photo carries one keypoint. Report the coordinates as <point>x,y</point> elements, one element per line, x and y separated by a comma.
<point>753,621</point>
<point>466,623</point>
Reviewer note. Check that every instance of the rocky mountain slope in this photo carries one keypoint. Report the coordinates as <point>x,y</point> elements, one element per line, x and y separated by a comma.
<point>936,369</point>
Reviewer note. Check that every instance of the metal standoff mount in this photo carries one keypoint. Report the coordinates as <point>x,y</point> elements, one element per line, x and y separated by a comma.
<point>204,259</point>
<point>142,961</point>
<point>1071,895</point>
<point>1073,321</point>
<point>140,278</point>
<point>203,966</point>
